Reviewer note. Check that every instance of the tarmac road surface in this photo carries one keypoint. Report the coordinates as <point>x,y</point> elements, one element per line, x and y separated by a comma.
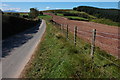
<point>18,50</point>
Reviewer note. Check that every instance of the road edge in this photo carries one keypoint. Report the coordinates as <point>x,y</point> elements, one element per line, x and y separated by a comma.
<point>33,54</point>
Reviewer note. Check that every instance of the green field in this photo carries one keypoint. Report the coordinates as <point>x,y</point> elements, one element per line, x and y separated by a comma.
<point>77,18</point>
<point>46,17</point>
<point>57,57</point>
<point>60,14</point>
<point>74,17</point>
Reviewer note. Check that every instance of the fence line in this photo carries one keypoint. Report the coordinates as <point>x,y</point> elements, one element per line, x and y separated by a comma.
<point>109,60</point>
<point>106,37</point>
<point>94,35</point>
<point>67,32</point>
<point>78,32</point>
<point>75,34</point>
<point>100,32</point>
<point>93,43</point>
<point>84,34</point>
<point>97,34</point>
<point>107,33</point>
<point>85,31</point>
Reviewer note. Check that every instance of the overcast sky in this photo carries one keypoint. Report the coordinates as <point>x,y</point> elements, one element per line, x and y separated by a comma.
<point>60,0</point>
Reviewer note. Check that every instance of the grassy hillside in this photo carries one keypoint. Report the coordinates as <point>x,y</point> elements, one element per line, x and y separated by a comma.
<point>83,16</point>
<point>57,57</point>
<point>112,14</point>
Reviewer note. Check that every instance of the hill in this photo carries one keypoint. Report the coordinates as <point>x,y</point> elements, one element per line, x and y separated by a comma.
<point>85,13</point>
<point>112,14</point>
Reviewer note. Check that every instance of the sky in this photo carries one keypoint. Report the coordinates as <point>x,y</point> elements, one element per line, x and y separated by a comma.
<point>25,6</point>
<point>60,0</point>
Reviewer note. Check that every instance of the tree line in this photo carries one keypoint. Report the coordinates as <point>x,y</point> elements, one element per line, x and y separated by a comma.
<point>31,15</point>
<point>112,14</point>
<point>12,23</point>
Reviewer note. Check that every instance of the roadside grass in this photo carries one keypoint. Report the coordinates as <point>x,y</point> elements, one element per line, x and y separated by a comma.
<point>57,57</point>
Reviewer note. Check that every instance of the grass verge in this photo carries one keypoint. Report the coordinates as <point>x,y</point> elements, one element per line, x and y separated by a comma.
<point>56,57</point>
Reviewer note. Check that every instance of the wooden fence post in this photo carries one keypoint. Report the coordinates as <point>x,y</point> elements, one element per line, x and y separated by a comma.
<point>75,34</point>
<point>93,42</point>
<point>67,32</point>
<point>61,27</point>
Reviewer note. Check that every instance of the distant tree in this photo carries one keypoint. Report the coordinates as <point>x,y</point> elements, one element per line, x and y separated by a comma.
<point>41,13</point>
<point>25,16</point>
<point>16,14</point>
<point>74,8</point>
<point>9,13</point>
<point>10,22</point>
<point>1,12</point>
<point>55,13</point>
<point>33,13</point>
<point>119,4</point>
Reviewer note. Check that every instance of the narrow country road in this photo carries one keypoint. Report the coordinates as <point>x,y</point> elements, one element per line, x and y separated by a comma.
<point>18,50</point>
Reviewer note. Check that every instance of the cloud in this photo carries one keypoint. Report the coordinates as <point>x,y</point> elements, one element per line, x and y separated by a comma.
<point>1,9</point>
<point>25,10</point>
<point>47,7</point>
<point>51,8</point>
<point>15,9</point>
<point>57,8</point>
<point>4,5</point>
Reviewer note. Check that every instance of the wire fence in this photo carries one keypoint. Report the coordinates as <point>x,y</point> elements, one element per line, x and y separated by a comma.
<point>91,36</point>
